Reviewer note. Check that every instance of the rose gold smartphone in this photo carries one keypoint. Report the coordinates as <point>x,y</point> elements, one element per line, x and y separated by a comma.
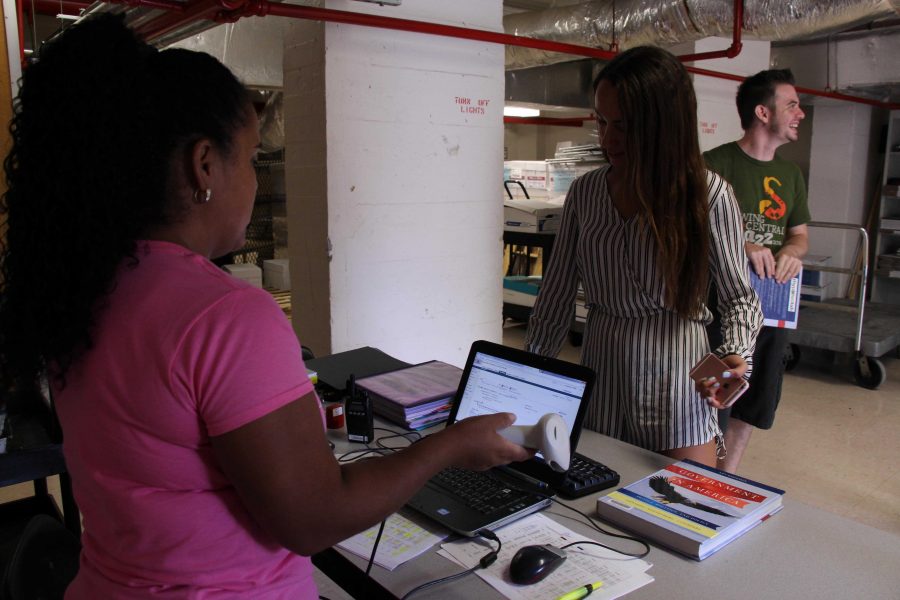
<point>729,389</point>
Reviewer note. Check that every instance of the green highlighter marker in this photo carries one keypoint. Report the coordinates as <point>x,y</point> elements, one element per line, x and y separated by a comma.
<point>581,592</point>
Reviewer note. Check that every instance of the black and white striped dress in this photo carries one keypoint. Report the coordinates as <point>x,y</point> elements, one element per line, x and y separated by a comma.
<point>641,350</point>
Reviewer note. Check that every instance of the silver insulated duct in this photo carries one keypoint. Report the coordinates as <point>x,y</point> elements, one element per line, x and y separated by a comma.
<point>665,22</point>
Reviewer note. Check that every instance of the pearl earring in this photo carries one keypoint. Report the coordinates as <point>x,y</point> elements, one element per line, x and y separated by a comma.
<point>202,196</point>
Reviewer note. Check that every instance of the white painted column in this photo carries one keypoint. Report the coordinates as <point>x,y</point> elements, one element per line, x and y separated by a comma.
<point>394,158</point>
<point>839,180</point>
<point>11,30</point>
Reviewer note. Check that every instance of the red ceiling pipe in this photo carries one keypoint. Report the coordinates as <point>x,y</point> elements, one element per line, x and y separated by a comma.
<point>736,45</point>
<point>264,7</point>
<point>802,90</point>
<point>558,121</point>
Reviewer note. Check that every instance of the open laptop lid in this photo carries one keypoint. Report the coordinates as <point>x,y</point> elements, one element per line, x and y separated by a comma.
<point>501,379</point>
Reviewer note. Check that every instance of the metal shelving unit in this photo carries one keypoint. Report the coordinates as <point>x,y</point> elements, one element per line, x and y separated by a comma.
<point>886,274</point>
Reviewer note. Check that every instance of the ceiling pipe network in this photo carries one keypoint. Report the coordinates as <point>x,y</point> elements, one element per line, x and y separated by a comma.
<point>264,7</point>
<point>629,23</point>
<point>231,10</point>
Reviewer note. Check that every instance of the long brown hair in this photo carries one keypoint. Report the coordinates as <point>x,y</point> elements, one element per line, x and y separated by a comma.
<point>665,168</point>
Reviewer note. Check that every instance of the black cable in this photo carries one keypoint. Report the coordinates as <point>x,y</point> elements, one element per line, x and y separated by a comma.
<point>483,563</point>
<point>395,434</point>
<point>605,532</point>
<point>375,547</point>
<point>361,453</point>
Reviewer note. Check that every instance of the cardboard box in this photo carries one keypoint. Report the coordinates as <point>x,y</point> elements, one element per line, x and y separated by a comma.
<point>561,176</point>
<point>810,276</point>
<point>248,272</point>
<point>277,274</point>
<point>814,293</point>
<point>533,216</point>
<point>532,174</point>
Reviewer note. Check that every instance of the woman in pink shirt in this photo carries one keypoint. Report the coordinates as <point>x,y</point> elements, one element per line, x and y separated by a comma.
<point>192,433</point>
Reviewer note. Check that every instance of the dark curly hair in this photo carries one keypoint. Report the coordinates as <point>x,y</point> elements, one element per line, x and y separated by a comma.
<point>100,124</point>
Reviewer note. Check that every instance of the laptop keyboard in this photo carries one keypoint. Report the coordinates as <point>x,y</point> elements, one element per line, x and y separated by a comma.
<point>586,476</point>
<point>482,491</point>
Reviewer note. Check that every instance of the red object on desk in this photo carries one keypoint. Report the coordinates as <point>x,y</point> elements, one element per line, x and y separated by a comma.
<point>334,415</point>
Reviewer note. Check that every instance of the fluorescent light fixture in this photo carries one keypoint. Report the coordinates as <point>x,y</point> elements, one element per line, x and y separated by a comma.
<point>518,111</point>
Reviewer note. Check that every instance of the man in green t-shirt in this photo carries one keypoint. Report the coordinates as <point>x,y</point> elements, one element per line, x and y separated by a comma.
<point>772,195</point>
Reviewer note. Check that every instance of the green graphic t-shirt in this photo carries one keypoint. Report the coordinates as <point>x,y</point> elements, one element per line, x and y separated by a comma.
<point>772,194</point>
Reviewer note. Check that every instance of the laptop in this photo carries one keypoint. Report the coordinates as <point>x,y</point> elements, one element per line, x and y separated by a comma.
<point>501,379</point>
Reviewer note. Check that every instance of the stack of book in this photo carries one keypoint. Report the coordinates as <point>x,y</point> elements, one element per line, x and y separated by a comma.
<point>691,508</point>
<point>415,397</point>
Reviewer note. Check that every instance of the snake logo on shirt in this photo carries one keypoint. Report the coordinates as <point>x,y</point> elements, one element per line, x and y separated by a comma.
<point>772,207</point>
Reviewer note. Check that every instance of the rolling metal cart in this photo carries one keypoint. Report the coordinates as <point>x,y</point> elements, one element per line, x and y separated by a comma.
<point>868,330</point>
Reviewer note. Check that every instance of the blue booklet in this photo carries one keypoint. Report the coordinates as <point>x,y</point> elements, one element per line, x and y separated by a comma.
<point>780,301</point>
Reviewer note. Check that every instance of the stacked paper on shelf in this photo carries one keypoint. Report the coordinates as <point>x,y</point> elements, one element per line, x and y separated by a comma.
<point>415,397</point>
<point>248,272</point>
<point>521,290</point>
<point>277,274</point>
<point>531,173</point>
<point>691,508</point>
<point>531,215</point>
<point>814,283</point>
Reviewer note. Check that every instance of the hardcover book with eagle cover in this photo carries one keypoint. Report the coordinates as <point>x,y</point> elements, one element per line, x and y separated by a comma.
<point>691,508</point>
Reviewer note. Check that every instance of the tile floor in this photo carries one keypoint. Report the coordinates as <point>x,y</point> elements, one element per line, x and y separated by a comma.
<point>834,444</point>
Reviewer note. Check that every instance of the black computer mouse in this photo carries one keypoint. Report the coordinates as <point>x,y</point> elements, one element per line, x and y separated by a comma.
<point>532,563</point>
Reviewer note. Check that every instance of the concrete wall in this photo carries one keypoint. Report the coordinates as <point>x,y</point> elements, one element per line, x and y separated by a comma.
<point>839,180</point>
<point>404,172</point>
<point>717,116</point>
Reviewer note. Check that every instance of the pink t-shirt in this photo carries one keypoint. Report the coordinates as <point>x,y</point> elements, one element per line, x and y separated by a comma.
<point>183,351</point>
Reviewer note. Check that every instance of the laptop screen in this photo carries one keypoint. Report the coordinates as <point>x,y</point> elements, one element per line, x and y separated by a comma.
<point>502,379</point>
<point>500,385</point>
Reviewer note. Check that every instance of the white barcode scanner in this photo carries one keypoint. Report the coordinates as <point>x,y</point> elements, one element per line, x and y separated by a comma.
<point>549,435</point>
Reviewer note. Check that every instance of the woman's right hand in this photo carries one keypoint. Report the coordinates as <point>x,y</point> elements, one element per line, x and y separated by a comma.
<point>476,445</point>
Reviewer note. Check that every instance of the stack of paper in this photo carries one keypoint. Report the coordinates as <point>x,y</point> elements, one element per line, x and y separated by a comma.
<point>405,537</point>
<point>584,564</point>
<point>415,397</point>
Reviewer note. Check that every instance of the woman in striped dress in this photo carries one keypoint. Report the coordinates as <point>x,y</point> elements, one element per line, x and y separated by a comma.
<point>646,236</point>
